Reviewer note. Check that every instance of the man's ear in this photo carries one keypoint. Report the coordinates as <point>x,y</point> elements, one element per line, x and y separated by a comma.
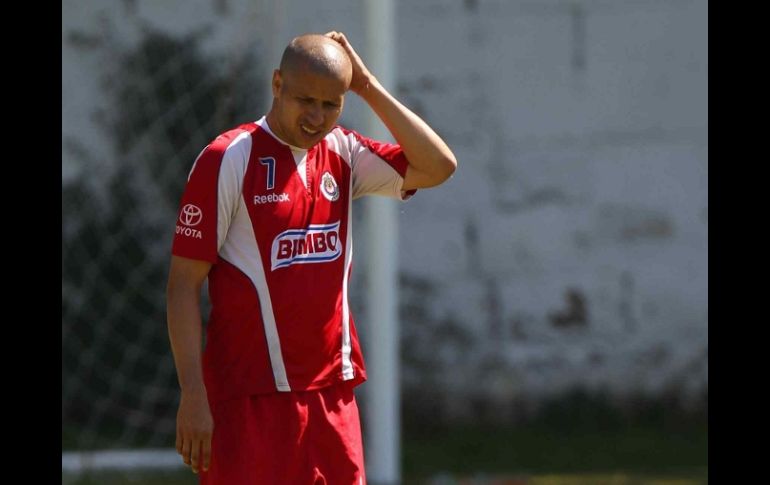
<point>277,83</point>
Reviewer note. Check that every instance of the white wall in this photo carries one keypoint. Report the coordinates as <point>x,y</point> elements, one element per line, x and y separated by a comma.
<point>581,133</point>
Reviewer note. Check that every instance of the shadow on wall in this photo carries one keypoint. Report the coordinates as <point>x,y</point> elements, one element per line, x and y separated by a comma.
<point>576,312</point>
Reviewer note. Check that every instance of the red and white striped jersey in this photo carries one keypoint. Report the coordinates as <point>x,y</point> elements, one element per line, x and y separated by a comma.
<point>281,249</point>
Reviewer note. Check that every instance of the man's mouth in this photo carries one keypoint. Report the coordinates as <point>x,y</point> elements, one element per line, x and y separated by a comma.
<point>309,131</point>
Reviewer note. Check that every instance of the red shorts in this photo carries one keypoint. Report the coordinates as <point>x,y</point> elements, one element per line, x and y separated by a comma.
<point>303,438</point>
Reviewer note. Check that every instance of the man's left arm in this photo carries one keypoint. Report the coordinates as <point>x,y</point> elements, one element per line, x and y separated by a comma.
<point>431,162</point>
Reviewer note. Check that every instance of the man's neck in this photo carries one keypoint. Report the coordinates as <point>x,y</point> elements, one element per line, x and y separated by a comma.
<point>274,128</point>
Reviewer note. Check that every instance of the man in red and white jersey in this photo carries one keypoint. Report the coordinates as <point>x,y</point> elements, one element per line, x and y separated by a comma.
<point>266,217</point>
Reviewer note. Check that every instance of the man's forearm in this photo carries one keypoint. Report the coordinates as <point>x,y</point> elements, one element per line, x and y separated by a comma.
<point>185,333</point>
<point>425,150</point>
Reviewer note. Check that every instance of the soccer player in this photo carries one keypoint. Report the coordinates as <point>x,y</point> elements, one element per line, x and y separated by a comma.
<point>266,217</point>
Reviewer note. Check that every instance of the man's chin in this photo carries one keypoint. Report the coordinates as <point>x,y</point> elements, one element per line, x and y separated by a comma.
<point>305,140</point>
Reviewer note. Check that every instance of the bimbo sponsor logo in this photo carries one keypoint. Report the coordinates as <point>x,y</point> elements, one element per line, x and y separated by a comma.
<point>319,243</point>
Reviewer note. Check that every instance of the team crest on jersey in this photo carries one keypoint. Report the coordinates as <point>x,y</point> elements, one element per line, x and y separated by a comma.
<point>319,243</point>
<point>329,187</point>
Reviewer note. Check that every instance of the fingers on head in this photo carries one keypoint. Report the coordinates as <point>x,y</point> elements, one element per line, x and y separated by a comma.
<point>338,36</point>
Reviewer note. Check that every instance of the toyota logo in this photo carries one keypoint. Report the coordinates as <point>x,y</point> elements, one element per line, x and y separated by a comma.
<point>191,215</point>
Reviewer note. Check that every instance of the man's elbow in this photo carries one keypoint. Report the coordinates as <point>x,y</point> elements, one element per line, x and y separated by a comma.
<point>435,172</point>
<point>446,168</point>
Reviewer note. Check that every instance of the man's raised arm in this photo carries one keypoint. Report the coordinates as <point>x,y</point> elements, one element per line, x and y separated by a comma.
<point>431,162</point>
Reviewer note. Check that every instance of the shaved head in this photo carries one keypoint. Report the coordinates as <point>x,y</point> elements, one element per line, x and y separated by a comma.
<point>319,54</point>
<point>309,89</point>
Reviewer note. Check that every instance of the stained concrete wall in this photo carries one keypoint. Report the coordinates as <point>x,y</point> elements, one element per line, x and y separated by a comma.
<point>570,247</point>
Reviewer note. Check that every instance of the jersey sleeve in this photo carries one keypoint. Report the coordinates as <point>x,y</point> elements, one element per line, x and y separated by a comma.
<point>211,197</point>
<point>378,167</point>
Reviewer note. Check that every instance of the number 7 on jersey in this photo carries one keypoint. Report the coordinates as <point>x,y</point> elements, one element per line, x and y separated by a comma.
<point>269,162</point>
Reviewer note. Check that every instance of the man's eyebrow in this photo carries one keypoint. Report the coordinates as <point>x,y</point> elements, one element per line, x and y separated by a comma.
<point>301,94</point>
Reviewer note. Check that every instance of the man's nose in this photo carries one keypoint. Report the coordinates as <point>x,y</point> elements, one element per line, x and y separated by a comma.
<point>314,115</point>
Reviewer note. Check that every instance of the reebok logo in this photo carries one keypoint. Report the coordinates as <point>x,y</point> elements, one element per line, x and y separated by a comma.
<point>271,198</point>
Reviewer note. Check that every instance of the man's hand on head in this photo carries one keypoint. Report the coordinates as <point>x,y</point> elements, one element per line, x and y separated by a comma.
<point>361,75</point>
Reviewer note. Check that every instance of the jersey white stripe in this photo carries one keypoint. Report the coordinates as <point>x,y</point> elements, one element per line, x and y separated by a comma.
<point>271,330</point>
<point>347,366</point>
<point>230,183</point>
<point>238,250</point>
